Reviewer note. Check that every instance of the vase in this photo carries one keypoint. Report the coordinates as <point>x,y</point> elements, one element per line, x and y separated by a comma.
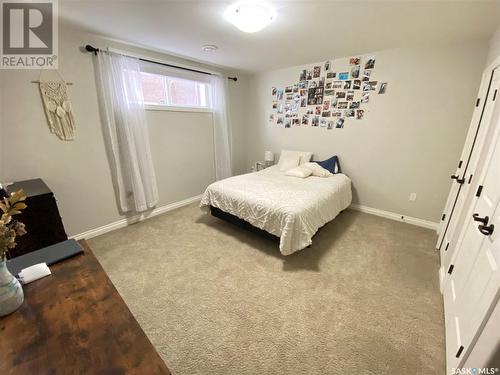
<point>11,291</point>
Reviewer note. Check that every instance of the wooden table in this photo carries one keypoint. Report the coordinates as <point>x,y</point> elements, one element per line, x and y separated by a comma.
<point>75,322</point>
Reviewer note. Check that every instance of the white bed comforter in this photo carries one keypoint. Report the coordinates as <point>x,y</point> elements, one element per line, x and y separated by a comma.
<point>289,207</point>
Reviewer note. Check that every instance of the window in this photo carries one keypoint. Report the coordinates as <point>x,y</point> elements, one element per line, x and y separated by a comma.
<point>169,91</point>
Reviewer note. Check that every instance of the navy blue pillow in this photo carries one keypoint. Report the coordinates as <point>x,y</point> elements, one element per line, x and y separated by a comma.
<point>331,164</point>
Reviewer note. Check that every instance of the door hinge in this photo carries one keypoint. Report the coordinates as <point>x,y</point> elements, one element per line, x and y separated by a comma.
<point>450,270</point>
<point>460,350</point>
<point>443,217</point>
<point>495,95</point>
<point>470,179</point>
<point>477,102</point>
<point>460,164</point>
<point>479,190</point>
<point>447,246</point>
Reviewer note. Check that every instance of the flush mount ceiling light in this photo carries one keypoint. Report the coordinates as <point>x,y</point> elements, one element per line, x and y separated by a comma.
<point>209,47</point>
<point>249,17</point>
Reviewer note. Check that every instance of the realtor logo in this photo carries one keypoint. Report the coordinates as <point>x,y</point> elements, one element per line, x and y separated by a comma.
<point>29,34</point>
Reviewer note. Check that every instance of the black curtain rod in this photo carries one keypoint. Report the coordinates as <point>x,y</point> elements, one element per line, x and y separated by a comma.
<point>89,48</point>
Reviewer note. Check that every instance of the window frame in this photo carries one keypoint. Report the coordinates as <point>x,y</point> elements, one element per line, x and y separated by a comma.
<point>178,108</point>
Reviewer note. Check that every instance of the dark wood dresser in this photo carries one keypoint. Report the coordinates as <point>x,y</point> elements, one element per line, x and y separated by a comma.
<point>41,217</point>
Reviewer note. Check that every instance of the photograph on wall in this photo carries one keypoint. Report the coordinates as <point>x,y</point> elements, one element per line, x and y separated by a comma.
<point>382,88</point>
<point>340,94</point>
<point>296,87</point>
<point>315,121</point>
<point>315,96</point>
<point>365,98</point>
<point>340,123</point>
<point>288,123</point>
<point>313,84</point>
<point>326,105</point>
<point>288,89</point>
<point>337,84</point>
<point>317,110</point>
<point>273,91</point>
<point>336,113</point>
<point>295,122</point>
<point>296,97</point>
<point>360,114</point>
<point>275,105</point>
<point>305,120</point>
<point>354,105</point>
<point>280,108</point>
<point>303,84</point>
<point>349,113</point>
<point>347,85</point>
<point>327,65</point>
<point>331,75</point>
<point>350,96</point>
<point>342,105</point>
<point>316,71</point>
<point>355,60</point>
<point>329,92</point>
<point>289,96</point>
<point>271,117</point>
<point>303,102</point>
<point>325,114</point>
<point>321,82</point>
<point>303,92</point>
<point>310,111</point>
<point>309,75</point>
<point>356,84</point>
<point>323,122</point>
<point>370,86</point>
<point>294,107</point>
<point>355,71</point>
<point>280,121</point>
<point>370,63</point>
<point>279,94</point>
<point>333,103</point>
<point>343,76</point>
<point>303,75</point>
<point>328,85</point>
<point>366,75</point>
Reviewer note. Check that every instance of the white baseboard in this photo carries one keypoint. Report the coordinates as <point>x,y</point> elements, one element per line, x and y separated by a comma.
<point>441,279</point>
<point>134,219</point>
<point>394,216</point>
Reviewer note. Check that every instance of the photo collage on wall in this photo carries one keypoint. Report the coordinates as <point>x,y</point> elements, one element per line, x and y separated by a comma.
<point>327,96</point>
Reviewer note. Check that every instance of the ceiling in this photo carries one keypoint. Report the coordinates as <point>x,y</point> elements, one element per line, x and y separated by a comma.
<point>303,31</point>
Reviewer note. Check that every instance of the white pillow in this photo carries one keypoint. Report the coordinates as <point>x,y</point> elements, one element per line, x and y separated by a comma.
<point>305,156</point>
<point>317,170</point>
<point>298,172</point>
<point>288,160</point>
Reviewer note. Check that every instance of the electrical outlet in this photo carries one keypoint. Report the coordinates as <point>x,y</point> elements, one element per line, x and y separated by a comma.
<point>413,197</point>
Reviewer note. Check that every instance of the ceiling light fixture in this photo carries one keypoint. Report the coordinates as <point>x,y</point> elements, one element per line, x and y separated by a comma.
<point>209,47</point>
<point>249,17</point>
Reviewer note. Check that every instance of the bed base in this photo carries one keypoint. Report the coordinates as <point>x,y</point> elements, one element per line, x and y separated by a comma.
<point>217,212</point>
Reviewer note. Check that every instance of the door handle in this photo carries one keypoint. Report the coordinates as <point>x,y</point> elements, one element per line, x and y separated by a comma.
<point>483,220</point>
<point>459,180</point>
<point>486,230</point>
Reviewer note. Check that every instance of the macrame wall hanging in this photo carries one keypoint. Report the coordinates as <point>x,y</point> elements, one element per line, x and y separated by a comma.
<point>57,107</point>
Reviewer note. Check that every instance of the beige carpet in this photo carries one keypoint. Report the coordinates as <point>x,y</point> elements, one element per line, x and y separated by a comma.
<point>216,299</point>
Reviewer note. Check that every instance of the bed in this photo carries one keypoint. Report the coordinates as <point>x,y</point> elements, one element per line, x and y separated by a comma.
<point>290,208</point>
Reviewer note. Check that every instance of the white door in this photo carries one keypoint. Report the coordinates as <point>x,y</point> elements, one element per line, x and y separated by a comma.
<point>473,281</point>
<point>465,181</point>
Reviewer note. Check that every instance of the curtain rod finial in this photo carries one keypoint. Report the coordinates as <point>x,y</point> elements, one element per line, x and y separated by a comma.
<point>233,78</point>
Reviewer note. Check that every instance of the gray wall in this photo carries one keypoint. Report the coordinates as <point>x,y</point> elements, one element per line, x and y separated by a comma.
<point>411,137</point>
<point>494,46</point>
<point>78,171</point>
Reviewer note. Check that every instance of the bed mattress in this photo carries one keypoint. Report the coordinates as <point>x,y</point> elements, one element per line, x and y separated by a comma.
<point>290,208</point>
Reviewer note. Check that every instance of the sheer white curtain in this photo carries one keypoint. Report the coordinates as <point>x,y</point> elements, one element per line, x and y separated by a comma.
<point>122,106</point>
<point>222,133</point>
